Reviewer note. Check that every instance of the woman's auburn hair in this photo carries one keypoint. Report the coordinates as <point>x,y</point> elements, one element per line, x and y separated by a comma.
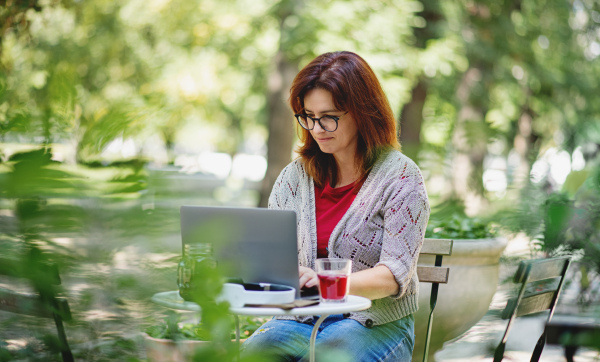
<point>355,89</point>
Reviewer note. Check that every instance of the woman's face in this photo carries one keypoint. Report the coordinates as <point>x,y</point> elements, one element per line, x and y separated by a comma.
<point>343,141</point>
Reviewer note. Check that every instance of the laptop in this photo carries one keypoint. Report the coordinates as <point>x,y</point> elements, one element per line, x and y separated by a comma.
<point>254,245</point>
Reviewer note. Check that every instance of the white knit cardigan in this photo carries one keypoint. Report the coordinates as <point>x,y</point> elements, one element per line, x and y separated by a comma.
<point>385,225</point>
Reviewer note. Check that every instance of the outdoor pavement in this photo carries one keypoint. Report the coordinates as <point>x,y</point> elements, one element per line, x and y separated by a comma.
<point>478,343</point>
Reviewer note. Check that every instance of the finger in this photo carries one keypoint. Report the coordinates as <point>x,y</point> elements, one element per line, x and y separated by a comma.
<point>304,279</point>
<point>302,270</point>
<point>312,282</point>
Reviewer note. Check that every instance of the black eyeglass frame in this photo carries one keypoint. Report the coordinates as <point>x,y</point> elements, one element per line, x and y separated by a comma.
<point>315,120</point>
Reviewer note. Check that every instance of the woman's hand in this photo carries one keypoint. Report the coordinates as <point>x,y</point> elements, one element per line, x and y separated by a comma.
<point>308,277</point>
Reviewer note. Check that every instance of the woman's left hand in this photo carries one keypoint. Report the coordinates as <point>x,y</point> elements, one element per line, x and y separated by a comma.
<point>308,277</point>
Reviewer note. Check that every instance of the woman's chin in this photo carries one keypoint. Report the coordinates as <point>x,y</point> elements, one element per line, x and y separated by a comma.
<point>325,149</point>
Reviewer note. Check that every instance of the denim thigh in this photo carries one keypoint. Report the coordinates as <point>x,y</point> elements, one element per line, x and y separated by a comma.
<point>281,340</point>
<point>348,340</point>
<point>339,339</point>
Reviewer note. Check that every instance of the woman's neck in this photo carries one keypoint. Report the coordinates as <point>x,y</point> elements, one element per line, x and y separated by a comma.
<point>348,172</point>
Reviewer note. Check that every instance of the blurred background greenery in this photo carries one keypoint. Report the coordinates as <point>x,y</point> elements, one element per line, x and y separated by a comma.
<point>115,113</point>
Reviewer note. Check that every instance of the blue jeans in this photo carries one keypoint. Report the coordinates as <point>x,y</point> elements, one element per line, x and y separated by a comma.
<point>338,339</point>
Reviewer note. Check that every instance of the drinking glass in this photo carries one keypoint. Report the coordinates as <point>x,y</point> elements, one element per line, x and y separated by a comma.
<point>334,283</point>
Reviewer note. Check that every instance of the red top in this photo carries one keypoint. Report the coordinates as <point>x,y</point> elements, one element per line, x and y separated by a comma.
<point>330,204</point>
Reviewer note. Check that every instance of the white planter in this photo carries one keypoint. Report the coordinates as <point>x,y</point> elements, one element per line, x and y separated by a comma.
<point>474,267</point>
<point>168,350</point>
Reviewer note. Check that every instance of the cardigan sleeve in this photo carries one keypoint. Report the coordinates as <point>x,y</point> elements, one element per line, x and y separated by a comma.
<point>275,197</point>
<point>285,188</point>
<point>404,222</point>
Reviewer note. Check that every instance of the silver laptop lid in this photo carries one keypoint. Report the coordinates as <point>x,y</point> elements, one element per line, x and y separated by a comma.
<point>256,245</point>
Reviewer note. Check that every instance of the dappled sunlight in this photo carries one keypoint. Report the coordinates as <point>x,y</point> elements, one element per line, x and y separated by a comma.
<point>94,269</point>
<point>161,260</point>
<point>99,315</point>
<point>76,288</point>
<point>67,242</point>
<point>127,258</point>
<point>16,343</point>
<point>520,245</point>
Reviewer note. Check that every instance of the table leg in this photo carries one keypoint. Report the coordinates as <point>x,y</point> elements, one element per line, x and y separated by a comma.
<point>313,336</point>
<point>237,337</point>
<point>237,328</point>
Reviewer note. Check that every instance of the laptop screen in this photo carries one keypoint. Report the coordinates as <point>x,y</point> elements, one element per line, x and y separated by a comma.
<point>256,245</point>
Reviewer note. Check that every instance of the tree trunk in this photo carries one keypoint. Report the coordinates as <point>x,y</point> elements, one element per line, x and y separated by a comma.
<point>411,116</point>
<point>469,142</point>
<point>281,123</point>
<point>411,119</point>
<point>524,145</point>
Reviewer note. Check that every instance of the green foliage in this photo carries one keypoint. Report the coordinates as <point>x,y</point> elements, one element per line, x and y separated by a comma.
<point>581,223</point>
<point>248,325</point>
<point>448,220</point>
<point>562,222</point>
<point>4,353</point>
<point>557,215</point>
<point>172,329</point>
<point>458,227</point>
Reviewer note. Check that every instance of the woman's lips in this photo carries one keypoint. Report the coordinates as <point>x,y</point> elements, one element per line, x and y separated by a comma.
<point>324,139</point>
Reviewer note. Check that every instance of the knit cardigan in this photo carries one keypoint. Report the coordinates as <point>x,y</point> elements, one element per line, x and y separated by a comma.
<point>385,225</point>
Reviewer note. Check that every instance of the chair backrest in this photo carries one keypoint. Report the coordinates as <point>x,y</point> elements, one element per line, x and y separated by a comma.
<point>547,276</point>
<point>43,303</point>
<point>435,275</point>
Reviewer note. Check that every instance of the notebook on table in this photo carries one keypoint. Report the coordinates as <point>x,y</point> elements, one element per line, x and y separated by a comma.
<point>254,245</point>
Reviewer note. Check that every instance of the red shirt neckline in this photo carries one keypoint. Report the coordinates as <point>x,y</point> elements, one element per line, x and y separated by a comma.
<point>330,206</point>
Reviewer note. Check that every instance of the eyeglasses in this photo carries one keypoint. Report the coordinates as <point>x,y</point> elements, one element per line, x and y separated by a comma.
<point>328,123</point>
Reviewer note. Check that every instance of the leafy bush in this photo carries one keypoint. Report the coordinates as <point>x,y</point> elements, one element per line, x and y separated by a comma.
<point>449,220</point>
<point>459,227</point>
<point>573,223</point>
<point>172,329</point>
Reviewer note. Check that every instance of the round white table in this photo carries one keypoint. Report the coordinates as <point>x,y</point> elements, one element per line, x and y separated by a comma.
<point>323,310</point>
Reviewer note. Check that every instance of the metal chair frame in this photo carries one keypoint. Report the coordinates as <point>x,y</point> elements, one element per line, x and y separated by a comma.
<point>435,275</point>
<point>530,271</point>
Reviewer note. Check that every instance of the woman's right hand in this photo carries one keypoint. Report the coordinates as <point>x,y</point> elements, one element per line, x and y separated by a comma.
<point>308,277</point>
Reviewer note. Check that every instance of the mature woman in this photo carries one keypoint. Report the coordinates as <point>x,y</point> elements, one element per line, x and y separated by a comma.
<point>356,197</point>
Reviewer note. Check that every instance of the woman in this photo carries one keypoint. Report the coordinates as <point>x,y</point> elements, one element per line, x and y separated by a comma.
<point>356,197</point>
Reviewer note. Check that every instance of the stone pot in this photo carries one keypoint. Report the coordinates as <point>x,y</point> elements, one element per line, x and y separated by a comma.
<point>474,267</point>
<point>168,350</point>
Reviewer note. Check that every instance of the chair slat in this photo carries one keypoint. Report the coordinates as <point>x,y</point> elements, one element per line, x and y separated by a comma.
<point>433,274</point>
<point>542,269</point>
<point>437,247</point>
<point>31,304</point>
<point>529,304</point>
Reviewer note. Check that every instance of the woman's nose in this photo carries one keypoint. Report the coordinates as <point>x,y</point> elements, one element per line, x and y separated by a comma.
<point>318,128</point>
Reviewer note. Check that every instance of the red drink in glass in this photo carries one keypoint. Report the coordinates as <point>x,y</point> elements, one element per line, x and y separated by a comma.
<point>334,287</point>
<point>333,274</point>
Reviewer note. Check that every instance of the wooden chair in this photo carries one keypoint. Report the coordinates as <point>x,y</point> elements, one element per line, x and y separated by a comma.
<point>543,298</point>
<point>44,303</point>
<point>435,275</point>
